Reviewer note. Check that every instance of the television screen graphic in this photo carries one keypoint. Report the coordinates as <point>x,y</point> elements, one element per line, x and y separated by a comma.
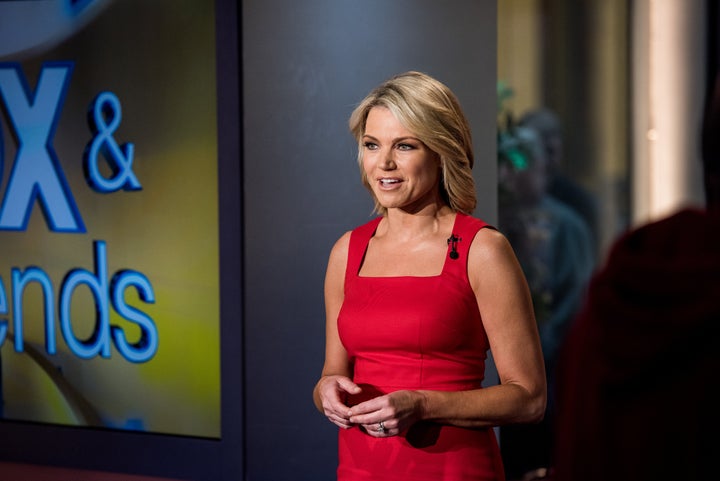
<point>109,255</point>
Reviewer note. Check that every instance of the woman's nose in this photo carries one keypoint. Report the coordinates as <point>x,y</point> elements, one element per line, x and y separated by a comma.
<point>388,161</point>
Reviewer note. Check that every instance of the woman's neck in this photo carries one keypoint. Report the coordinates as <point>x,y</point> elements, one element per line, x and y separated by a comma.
<point>404,225</point>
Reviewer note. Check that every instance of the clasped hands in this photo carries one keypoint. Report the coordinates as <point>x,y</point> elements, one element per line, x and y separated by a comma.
<point>382,416</point>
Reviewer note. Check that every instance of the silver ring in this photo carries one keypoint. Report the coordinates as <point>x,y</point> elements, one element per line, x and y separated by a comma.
<point>381,427</point>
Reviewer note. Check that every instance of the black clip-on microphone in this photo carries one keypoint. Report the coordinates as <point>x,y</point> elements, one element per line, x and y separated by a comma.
<point>452,242</point>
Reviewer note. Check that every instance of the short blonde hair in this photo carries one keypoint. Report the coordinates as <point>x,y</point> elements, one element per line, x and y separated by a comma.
<point>430,110</point>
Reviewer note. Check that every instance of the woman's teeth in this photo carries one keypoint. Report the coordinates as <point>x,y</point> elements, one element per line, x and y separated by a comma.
<point>389,181</point>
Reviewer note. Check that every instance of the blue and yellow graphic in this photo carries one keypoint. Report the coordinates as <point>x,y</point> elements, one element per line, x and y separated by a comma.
<point>109,256</point>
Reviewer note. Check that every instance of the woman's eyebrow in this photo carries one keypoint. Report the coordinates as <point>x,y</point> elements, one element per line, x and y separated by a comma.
<point>395,140</point>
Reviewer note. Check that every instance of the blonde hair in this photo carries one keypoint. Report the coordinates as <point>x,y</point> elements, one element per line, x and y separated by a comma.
<point>431,112</point>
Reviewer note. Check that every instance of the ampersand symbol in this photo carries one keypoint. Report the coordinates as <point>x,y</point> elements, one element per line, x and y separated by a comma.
<point>104,118</point>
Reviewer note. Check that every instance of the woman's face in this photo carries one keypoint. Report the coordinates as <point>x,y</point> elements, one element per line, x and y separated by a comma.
<point>401,170</point>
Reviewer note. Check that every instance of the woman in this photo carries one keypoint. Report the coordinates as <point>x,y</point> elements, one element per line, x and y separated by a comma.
<point>416,297</point>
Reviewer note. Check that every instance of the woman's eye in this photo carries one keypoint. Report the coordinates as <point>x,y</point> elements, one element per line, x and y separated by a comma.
<point>370,145</point>
<point>404,147</point>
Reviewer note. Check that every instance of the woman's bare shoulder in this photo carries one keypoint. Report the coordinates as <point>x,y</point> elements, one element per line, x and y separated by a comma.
<point>490,244</point>
<point>343,243</point>
<point>339,251</point>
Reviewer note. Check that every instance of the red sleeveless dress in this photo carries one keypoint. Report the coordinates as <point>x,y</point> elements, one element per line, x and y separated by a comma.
<point>415,333</point>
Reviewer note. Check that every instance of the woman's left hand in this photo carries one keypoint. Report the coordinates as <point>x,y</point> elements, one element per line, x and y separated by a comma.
<point>389,414</point>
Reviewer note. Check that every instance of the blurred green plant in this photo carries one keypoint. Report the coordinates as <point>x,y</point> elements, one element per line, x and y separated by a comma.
<point>509,148</point>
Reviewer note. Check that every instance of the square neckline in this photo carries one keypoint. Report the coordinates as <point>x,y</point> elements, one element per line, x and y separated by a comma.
<point>404,276</point>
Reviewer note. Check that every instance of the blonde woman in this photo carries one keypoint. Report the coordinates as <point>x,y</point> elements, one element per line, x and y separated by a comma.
<point>417,297</point>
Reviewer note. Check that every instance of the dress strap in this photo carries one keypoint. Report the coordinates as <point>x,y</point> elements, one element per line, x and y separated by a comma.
<point>359,240</point>
<point>464,231</point>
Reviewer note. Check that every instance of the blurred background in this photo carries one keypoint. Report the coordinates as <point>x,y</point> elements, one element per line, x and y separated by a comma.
<point>626,79</point>
<point>600,105</point>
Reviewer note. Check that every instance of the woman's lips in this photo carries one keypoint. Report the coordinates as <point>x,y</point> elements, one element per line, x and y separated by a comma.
<point>388,183</point>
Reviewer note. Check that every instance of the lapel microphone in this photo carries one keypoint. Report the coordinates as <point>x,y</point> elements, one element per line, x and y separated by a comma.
<point>452,242</point>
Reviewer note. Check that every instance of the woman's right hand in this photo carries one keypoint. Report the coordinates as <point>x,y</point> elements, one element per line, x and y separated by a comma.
<point>333,390</point>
